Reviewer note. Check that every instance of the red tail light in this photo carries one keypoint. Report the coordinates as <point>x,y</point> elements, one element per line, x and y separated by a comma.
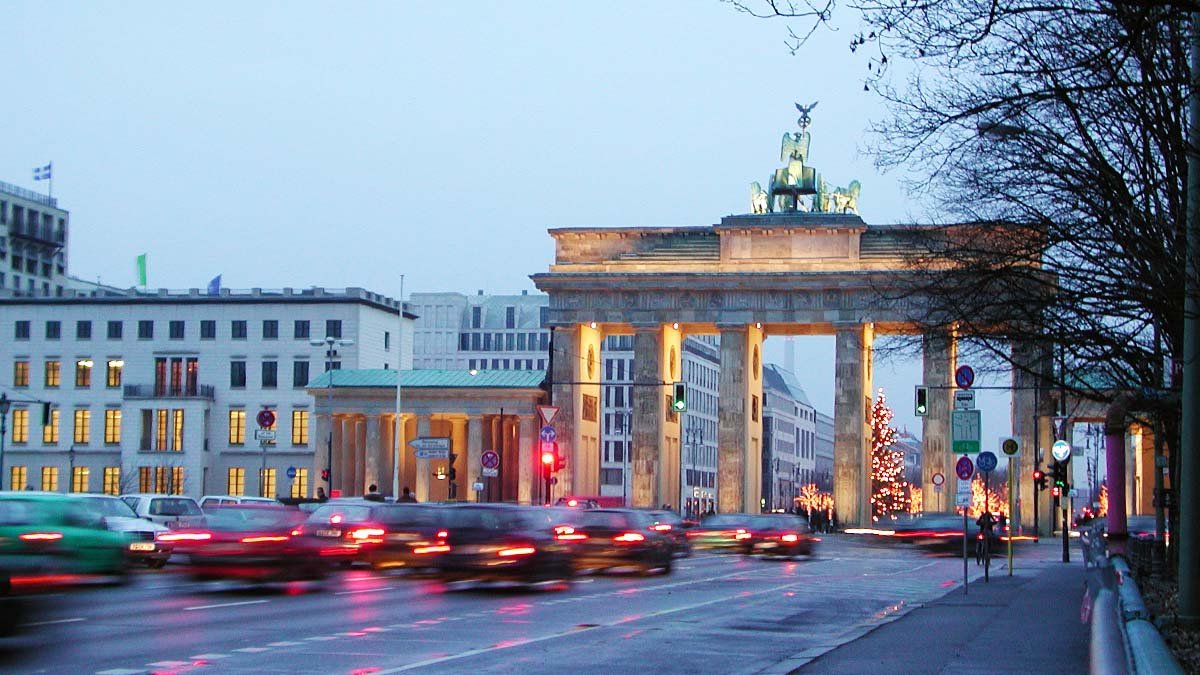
<point>41,536</point>
<point>442,534</point>
<point>297,532</point>
<point>185,536</point>
<point>629,537</point>
<point>264,539</point>
<point>789,537</point>
<point>661,527</point>
<point>568,533</point>
<point>741,534</point>
<point>425,550</point>
<point>335,519</point>
<point>516,551</point>
<point>367,535</point>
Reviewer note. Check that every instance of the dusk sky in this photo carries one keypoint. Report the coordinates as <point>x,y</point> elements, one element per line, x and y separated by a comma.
<point>346,144</point>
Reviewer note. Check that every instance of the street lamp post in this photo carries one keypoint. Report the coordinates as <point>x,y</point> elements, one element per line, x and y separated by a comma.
<point>5,404</point>
<point>330,353</point>
<point>71,468</point>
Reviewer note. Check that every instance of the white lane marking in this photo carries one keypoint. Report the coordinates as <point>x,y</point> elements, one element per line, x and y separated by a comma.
<point>573,631</point>
<point>167,664</point>
<point>284,643</point>
<point>321,638</point>
<point>120,671</point>
<point>365,590</point>
<point>57,621</point>
<point>252,650</point>
<point>208,657</point>
<point>225,604</point>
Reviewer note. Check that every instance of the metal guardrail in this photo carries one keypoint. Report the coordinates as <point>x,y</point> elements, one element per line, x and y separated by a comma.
<point>1123,638</point>
<point>28,194</point>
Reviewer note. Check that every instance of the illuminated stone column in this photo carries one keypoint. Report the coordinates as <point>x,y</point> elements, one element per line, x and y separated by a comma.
<point>421,488</point>
<point>939,354</point>
<point>338,477</point>
<point>670,360</point>
<point>373,454</point>
<point>648,413</point>
<point>739,418</point>
<point>577,395</point>
<point>458,446</point>
<point>472,468</point>
<point>851,428</point>
<point>319,436</point>
<point>527,432</point>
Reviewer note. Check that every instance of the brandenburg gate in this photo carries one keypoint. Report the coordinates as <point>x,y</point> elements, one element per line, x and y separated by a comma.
<point>802,263</point>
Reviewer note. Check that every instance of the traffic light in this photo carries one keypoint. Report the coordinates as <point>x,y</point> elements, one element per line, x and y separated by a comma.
<point>1056,491</point>
<point>560,459</point>
<point>45,413</point>
<point>1059,470</point>
<point>921,401</point>
<point>679,397</point>
<point>325,475</point>
<point>549,458</point>
<point>1039,479</point>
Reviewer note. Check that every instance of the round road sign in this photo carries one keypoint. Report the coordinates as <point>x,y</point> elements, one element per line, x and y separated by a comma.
<point>1009,447</point>
<point>265,418</point>
<point>986,461</point>
<point>938,478</point>
<point>1061,450</point>
<point>548,434</point>
<point>964,377</point>
<point>291,472</point>
<point>964,469</point>
<point>489,459</point>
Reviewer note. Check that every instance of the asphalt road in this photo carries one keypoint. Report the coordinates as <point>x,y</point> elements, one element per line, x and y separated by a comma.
<point>714,613</point>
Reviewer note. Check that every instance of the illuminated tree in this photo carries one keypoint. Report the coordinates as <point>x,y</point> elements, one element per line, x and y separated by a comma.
<point>889,490</point>
<point>917,499</point>
<point>1103,500</point>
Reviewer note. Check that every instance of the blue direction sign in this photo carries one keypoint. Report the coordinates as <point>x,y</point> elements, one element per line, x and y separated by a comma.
<point>986,461</point>
<point>964,377</point>
<point>291,472</point>
<point>548,434</point>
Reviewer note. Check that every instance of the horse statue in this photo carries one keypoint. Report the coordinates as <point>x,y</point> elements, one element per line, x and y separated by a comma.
<point>758,198</point>
<point>845,200</point>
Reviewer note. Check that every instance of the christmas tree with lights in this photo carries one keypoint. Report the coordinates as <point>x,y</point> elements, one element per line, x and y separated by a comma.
<point>889,490</point>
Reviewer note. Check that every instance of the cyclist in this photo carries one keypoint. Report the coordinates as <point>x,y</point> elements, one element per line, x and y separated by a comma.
<point>987,524</point>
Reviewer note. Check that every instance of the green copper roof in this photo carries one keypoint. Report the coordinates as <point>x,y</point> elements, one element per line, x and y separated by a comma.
<point>432,379</point>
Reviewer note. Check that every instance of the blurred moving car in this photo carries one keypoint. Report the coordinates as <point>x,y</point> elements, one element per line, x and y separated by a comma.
<point>675,527</point>
<point>502,542</point>
<point>781,535</point>
<point>252,542</point>
<point>357,530</point>
<point>934,532</point>
<point>222,500</point>
<point>614,538</point>
<point>173,511</point>
<point>723,531</point>
<point>413,537</point>
<point>118,517</point>
<point>48,540</point>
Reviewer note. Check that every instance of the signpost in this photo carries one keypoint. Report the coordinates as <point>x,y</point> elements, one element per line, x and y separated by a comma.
<point>490,461</point>
<point>965,426</point>
<point>964,469</point>
<point>431,447</point>
<point>964,377</point>
<point>938,479</point>
<point>547,413</point>
<point>1061,450</point>
<point>964,399</point>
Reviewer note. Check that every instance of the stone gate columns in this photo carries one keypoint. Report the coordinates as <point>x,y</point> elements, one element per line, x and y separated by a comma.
<point>577,394</point>
<point>421,488</point>
<point>526,475</point>
<point>337,476</point>
<point>473,468</point>
<point>1030,363</point>
<point>654,462</point>
<point>459,447</point>
<point>940,356</point>
<point>851,428</point>
<point>319,433</point>
<point>739,419</point>
<point>373,471</point>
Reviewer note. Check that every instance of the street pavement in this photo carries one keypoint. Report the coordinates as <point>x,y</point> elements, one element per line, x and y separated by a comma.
<point>1029,622</point>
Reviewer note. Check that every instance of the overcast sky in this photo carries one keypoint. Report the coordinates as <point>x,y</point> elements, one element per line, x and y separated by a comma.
<point>345,144</point>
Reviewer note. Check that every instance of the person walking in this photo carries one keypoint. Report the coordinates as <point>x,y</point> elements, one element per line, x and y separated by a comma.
<point>321,495</point>
<point>373,494</point>
<point>407,496</point>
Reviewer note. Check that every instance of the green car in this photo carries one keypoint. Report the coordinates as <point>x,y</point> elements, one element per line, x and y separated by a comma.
<point>50,540</point>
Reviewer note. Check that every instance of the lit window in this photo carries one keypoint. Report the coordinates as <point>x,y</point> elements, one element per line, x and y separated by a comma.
<point>115,368</point>
<point>177,430</point>
<point>83,373</point>
<point>20,425</point>
<point>236,485</point>
<point>300,483</point>
<point>145,479</point>
<point>160,429</point>
<point>299,427</point>
<point>112,426</point>
<point>266,482</point>
<point>80,477</point>
<point>50,478</point>
<point>50,430</point>
<point>112,480</point>
<point>20,373</point>
<point>53,373</point>
<point>18,478</point>
<point>237,427</point>
<point>83,424</point>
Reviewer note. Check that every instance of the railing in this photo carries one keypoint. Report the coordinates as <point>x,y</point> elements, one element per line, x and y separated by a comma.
<point>1123,637</point>
<point>28,194</point>
<point>161,391</point>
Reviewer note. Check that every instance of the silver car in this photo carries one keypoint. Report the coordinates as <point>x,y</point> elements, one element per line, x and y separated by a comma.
<point>119,517</point>
<point>172,511</point>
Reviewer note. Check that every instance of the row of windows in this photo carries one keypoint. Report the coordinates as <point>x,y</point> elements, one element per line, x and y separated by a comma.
<point>177,329</point>
<point>510,317</point>
<point>269,373</point>
<point>155,479</point>
<point>31,285</point>
<point>81,433</point>
<point>52,373</point>
<point>235,483</point>
<point>507,364</point>
<point>81,476</point>
<point>237,427</point>
<point>503,342</point>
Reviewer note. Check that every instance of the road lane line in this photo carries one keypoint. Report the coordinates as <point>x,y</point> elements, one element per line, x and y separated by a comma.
<point>57,621</point>
<point>365,590</point>
<point>225,604</point>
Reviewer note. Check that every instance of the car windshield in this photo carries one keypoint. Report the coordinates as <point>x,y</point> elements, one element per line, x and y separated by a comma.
<point>253,518</point>
<point>17,512</point>
<point>725,520</point>
<point>110,507</point>
<point>468,518</point>
<point>405,516</point>
<point>776,522</point>
<point>608,519</point>
<point>173,507</point>
<point>343,513</point>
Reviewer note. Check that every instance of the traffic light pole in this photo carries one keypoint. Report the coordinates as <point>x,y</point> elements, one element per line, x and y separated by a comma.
<point>1066,526</point>
<point>1037,494</point>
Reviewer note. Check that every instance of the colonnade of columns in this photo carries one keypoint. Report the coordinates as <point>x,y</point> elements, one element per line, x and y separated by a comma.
<point>365,451</point>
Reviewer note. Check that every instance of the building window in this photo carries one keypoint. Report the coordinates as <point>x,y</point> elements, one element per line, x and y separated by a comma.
<point>112,426</point>
<point>145,478</point>
<point>208,329</point>
<point>50,478</point>
<point>53,330</point>
<point>300,483</point>
<point>21,331</point>
<point>270,328</point>
<point>160,429</point>
<point>235,483</point>
<point>53,374</point>
<point>112,480</point>
<point>387,340</point>
<point>510,317</point>
<point>20,425</point>
<point>177,430</point>
<point>300,330</point>
<point>83,426</point>
<point>113,378</point>
<point>145,330</point>
<point>237,427</point>
<point>175,330</point>
<point>20,373</point>
<point>299,427</point>
<point>17,478</point>
<point>476,317</point>
<point>237,374</point>
<point>83,330</point>
<point>270,374</point>
<point>299,373</point>
<point>116,329</point>
<point>333,328</point>
<point>464,341</point>
<point>266,482</point>
<point>50,429</point>
<point>168,480</point>
<point>83,373</point>
<point>80,477</point>
<point>237,329</point>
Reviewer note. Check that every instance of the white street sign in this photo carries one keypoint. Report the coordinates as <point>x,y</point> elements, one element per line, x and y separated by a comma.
<point>964,399</point>
<point>432,453</point>
<point>264,434</point>
<point>963,496</point>
<point>431,443</point>
<point>1061,450</point>
<point>477,486</point>
<point>490,473</point>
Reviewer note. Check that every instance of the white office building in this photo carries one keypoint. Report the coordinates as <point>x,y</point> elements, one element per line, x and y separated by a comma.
<point>33,243</point>
<point>789,438</point>
<point>160,391</point>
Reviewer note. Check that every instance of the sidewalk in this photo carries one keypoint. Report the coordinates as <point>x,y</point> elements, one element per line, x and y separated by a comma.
<point>1025,623</point>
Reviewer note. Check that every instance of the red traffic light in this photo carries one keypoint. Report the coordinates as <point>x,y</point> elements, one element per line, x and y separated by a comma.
<point>549,452</point>
<point>1037,474</point>
<point>325,474</point>
<point>1056,491</point>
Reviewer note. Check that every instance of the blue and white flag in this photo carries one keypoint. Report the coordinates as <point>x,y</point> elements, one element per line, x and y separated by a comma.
<point>214,286</point>
<point>42,172</point>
